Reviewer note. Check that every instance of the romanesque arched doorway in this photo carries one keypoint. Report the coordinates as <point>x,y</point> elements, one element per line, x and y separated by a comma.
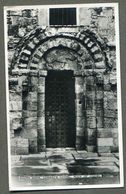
<point>78,57</point>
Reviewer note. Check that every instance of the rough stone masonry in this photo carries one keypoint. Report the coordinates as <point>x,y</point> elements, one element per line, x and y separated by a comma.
<point>88,50</point>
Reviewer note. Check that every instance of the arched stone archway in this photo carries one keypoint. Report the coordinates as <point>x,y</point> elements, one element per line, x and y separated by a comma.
<point>48,49</point>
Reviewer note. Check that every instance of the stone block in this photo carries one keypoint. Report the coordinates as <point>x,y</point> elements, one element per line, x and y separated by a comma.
<point>32,96</point>
<point>27,52</point>
<point>27,113</point>
<point>94,49</point>
<point>91,148</point>
<point>110,113</point>
<point>107,87</point>
<point>34,81</point>
<point>105,141</point>
<point>19,146</point>
<point>99,104</point>
<point>31,46</point>
<point>79,80</point>
<point>110,95</point>
<point>33,145</point>
<point>41,89</point>
<point>32,105</point>
<point>80,141</point>
<point>91,136</point>
<point>100,122</point>
<point>91,113</point>
<point>15,114</point>
<point>91,94</point>
<point>15,123</point>
<point>79,110</point>
<point>91,122</point>
<point>80,122</point>
<point>97,56</point>
<point>42,81</point>
<point>100,65</point>
<point>99,94</point>
<point>41,99</point>
<point>80,96</point>
<point>104,149</point>
<point>80,131</point>
<point>15,105</point>
<point>90,80</point>
<point>110,123</point>
<point>30,124</point>
<point>90,104</point>
<point>104,133</point>
<point>110,103</point>
<point>100,113</point>
<point>41,123</point>
<point>78,89</point>
<point>41,113</point>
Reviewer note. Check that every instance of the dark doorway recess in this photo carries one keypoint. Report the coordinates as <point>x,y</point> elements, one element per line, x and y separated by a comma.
<point>60,109</point>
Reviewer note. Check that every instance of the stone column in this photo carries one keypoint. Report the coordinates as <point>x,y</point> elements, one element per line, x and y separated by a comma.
<point>79,105</point>
<point>91,131</point>
<point>41,111</point>
<point>30,110</point>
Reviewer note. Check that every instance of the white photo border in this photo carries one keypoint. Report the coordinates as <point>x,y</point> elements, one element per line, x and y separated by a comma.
<point>117,37</point>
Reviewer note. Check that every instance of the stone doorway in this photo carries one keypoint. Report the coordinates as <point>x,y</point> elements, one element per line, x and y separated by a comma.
<point>60,109</point>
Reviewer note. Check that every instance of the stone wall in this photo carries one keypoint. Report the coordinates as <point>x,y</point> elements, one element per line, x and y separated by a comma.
<point>87,50</point>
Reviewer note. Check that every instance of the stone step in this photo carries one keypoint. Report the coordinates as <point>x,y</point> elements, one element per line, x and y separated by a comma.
<point>104,170</point>
<point>39,170</point>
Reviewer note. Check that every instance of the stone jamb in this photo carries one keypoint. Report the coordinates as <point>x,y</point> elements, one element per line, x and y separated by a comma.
<point>41,111</point>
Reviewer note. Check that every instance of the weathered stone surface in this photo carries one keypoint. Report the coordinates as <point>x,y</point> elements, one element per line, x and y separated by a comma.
<point>31,46</point>
<point>79,142</point>
<point>33,145</point>
<point>32,96</point>
<point>91,148</point>
<point>30,123</point>
<point>78,88</point>
<point>100,122</point>
<point>104,133</point>
<point>99,94</point>
<point>27,113</point>
<point>91,94</point>
<point>80,122</point>
<point>90,104</point>
<point>105,141</point>
<point>110,113</point>
<point>41,99</point>
<point>32,105</point>
<point>104,149</point>
<point>91,122</point>
<point>80,131</point>
<point>19,146</point>
<point>15,105</point>
<point>91,113</point>
<point>99,104</point>
<point>110,95</point>
<point>23,65</point>
<point>110,123</point>
<point>41,124</point>
<point>91,136</point>
<point>41,89</point>
<point>15,114</point>
<point>15,123</point>
<point>99,112</point>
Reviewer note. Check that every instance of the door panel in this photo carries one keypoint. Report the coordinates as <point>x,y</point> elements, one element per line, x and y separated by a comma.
<point>60,109</point>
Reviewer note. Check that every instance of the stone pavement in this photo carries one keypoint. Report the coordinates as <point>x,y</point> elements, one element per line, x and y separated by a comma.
<point>66,166</point>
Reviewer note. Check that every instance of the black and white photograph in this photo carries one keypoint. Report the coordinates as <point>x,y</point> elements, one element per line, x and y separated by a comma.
<point>63,86</point>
